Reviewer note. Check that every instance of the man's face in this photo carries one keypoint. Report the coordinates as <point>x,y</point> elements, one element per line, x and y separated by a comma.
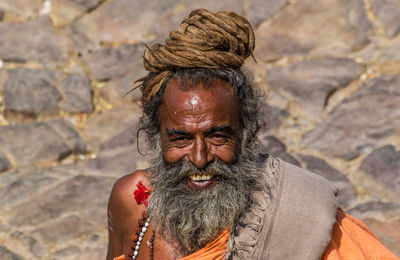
<point>200,125</point>
<point>201,135</point>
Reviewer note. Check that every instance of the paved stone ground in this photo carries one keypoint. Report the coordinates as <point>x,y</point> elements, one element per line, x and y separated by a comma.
<point>330,70</point>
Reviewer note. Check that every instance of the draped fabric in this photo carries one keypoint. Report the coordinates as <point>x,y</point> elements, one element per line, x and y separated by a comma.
<point>214,250</point>
<point>351,239</point>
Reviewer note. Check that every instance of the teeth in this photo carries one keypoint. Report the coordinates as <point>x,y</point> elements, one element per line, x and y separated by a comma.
<point>203,177</point>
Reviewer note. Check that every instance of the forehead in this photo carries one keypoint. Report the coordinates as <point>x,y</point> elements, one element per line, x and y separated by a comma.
<point>198,104</point>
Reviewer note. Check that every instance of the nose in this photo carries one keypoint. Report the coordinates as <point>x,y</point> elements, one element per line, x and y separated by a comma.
<point>200,155</point>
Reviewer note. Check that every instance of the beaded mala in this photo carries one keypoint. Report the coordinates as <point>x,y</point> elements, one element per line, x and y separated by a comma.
<point>137,238</point>
<point>150,243</point>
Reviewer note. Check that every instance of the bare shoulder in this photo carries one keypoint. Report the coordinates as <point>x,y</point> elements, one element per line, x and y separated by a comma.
<point>121,199</point>
<point>123,211</point>
<point>128,182</point>
<point>122,207</point>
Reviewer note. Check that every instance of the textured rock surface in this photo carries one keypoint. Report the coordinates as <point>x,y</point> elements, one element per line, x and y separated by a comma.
<point>65,11</point>
<point>47,47</point>
<point>32,142</point>
<point>63,230</point>
<point>261,10</point>
<point>387,233</point>
<point>119,155</point>
<point>389,57</point>
<point>114,62</point>
<point>30,247</point>
<point>1,15</point>
<point>174,14</point>
<point>117,21</point>
<point>30,179</point>
<point>116,162</point>
<point>21,8</point>
<point>312,82</point>
<point>384,166</point>
<point>75,59</point>
<point>70,251</point>
<point>297,29</point>
<point>359,122</point>
<point>347,192</point>
<point>64,212</point>
<point>78,94</point>
<point>274,117</point>
<point>32,92</point>
<point>8,255</point>
<point>376,209</point>
<point>275,147</point>
<point>116,90</point>
<point>109,124</point>
<point>388,12</point>
<point>79,194</point>
<point>4,163</point>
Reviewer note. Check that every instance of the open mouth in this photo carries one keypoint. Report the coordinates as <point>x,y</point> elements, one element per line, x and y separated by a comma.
<point>202,181</point>
<point>203,177</point>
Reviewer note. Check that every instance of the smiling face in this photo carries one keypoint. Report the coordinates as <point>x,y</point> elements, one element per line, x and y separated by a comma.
<point>200,124</point>
<point>201,180</point>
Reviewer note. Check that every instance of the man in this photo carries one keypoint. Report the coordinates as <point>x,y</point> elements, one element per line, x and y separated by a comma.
<point>213,195</point>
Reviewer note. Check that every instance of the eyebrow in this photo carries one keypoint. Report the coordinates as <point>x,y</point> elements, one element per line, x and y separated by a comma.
<point>172,132</point>
<point>224,128</point>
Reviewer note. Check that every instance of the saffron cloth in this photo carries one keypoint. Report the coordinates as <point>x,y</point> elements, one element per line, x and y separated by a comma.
<point>351,239</point>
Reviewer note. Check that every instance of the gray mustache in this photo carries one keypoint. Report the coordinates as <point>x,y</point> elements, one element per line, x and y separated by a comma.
<point>182,170</point>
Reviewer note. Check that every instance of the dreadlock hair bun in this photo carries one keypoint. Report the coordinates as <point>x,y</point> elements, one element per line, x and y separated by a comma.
<point>204,40</point>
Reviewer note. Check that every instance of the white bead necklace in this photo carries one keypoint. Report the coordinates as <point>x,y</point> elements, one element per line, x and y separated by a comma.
<point>141,235</point>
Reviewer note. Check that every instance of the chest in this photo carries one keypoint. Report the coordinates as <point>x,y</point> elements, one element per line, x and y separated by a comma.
<point>162,249</point>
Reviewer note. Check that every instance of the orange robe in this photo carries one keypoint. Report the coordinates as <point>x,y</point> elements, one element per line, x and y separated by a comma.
<point>214,250</point>
<point>351,240</point>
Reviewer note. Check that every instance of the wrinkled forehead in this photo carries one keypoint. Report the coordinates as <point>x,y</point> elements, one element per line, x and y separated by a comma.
<point>216,95</point>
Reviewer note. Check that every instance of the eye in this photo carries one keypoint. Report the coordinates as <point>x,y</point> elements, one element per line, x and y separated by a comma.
<point>181,141</point>
<point>218,139</point>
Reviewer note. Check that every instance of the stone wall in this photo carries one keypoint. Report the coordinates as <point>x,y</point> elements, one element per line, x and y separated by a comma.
<point>330,70</point>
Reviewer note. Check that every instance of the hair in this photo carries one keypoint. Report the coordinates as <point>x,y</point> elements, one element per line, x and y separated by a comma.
<point>195,217</point>
<point>251,118</point>
<point>207,46</point>
<point>203,40</point>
